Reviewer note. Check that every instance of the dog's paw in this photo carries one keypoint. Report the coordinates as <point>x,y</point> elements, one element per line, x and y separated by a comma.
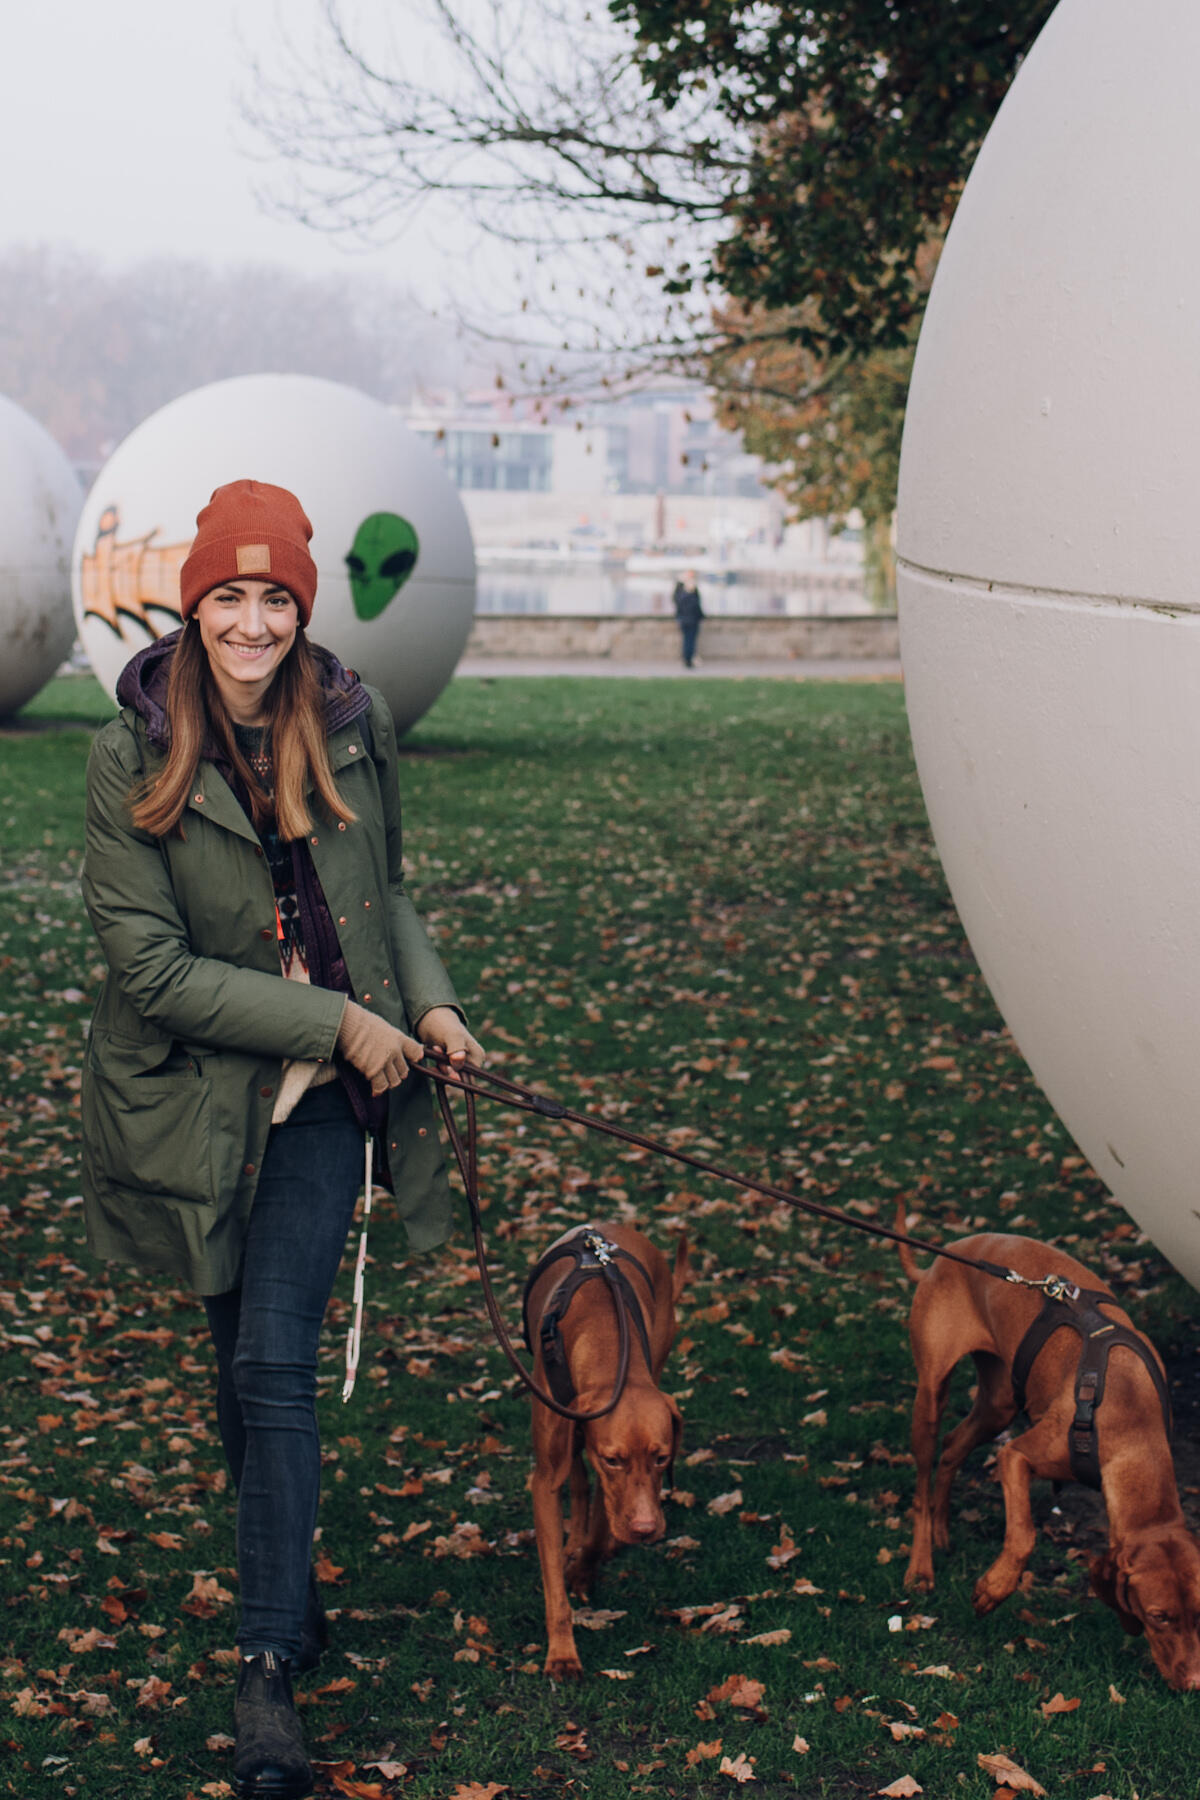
<point>579,1574</point>
<point>985,1599</point>
<point>918,1580</point>
<point>564,1668</point>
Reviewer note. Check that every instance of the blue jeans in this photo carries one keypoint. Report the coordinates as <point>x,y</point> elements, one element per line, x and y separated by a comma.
<point>265,1333</point>
<point>689,632</point>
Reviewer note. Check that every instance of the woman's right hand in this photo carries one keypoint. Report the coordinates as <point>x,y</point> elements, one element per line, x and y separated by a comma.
<point>381,1052</point>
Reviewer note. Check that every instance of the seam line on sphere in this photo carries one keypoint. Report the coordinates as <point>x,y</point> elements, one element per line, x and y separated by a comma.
<point>1048,595</point>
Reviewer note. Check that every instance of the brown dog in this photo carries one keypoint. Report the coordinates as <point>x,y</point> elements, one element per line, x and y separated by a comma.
<point>629,1449</point>
<point>1150,1574</point>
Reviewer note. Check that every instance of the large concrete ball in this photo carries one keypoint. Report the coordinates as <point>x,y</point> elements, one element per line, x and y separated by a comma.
<point>1049,594</point>
<point>40,499</point>
<point>395,561</point>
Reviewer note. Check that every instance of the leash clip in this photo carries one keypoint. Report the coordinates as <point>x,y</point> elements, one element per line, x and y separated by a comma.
<point>1057,1287</point>
<point>600,1248</point>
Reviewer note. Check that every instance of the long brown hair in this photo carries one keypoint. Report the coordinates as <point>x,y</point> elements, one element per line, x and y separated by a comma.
<point>295,725</point>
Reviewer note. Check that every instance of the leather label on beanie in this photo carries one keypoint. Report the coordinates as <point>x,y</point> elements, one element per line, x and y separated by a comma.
<point>254,559</point>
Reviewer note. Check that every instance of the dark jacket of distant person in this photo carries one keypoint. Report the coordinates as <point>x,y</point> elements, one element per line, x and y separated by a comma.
<point>686,600</point>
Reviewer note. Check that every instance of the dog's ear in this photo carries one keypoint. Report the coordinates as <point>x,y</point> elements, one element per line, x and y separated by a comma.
<point>681,1271</point>
<point>1109,1584</point>
<point>676,1438</point>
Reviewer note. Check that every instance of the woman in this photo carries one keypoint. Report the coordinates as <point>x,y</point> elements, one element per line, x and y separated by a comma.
<point>269,988</point>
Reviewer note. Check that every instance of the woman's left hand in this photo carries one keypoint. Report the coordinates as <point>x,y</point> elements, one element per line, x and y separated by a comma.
<point>442,1029</point>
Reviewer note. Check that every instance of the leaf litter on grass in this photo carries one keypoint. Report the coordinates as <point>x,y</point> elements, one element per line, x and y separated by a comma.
<point>715,915</point>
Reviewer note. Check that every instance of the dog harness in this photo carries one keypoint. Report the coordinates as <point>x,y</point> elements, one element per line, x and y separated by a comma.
<point>1066,1304</point>
<point>592,1257</point>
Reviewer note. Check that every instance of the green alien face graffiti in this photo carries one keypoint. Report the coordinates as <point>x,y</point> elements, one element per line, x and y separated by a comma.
<point>381,559</point>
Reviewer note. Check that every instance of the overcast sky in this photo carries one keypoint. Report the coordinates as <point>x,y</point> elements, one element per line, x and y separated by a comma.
<point>120,133</point>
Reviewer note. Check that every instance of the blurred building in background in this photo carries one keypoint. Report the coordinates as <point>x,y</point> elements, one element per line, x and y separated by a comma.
<point>598,508</point>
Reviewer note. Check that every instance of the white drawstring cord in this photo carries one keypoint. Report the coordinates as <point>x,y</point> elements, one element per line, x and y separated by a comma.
<point>354,1336</point>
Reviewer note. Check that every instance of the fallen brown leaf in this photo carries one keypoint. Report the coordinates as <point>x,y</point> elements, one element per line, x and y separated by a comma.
<point>1009,1774</point>
<point>739,1690</point>
<point>702,1752</point>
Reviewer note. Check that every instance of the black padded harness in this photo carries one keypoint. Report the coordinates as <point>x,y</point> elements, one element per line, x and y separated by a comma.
<point>591,1256</point>
<point>1065,1304</point>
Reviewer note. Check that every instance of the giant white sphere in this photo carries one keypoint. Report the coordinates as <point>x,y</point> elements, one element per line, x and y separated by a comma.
<point>395,561</point>
<point>40,499</point>
<point>1049,591</point>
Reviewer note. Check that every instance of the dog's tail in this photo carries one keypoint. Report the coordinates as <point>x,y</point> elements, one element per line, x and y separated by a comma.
<point>908,1261</point>
<point>680,1272</point>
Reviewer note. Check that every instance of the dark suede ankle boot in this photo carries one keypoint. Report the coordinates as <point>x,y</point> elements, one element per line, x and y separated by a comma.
<point>314,1631</point>
<point>269,1762</point>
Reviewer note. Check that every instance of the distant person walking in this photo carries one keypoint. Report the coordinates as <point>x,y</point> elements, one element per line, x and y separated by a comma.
<point>689,613</point>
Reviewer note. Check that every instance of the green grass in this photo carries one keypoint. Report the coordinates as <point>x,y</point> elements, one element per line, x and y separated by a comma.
<point>711,908</point>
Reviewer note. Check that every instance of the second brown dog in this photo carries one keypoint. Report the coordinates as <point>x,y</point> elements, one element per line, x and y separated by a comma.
<point>1150,1573</point>
<point>629,1449</point>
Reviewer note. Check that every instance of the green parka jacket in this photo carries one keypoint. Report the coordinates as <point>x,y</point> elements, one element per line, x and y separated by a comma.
<point>194,1016</point>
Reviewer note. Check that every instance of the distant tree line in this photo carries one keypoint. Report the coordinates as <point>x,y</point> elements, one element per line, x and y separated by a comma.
<point>750,192</point>
<point>91,350</point>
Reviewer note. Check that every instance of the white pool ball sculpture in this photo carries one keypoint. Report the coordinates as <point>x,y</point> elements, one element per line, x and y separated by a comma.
<point>1049,586</point>
<point>394,556</point>
<point>40,498</point>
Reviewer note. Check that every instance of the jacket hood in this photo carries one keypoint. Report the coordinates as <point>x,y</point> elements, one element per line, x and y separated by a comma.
<point>142,685</point>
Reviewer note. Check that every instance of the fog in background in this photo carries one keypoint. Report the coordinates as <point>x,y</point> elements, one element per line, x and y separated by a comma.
<point>137,259</point>
<point>92,349</point>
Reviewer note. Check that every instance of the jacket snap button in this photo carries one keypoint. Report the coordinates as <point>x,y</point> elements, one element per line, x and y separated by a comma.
<point>258,849</point>
<point>315,840</point>
<point>265,932</point>
<point>366,997</point>
<point>341,918</point>
<point>341,824</point>
<point>248,1169</point>
<point>386,982</point>
<point>367,904</point>
<point>354,749</point>
<point>266,1092</point>
<point>199,799</point>
<point>421,1131</point>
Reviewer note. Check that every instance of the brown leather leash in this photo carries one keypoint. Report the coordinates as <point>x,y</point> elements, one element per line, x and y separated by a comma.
<point>1063,1301</point>
<point>488,1085</point>
<point>466,1155</point>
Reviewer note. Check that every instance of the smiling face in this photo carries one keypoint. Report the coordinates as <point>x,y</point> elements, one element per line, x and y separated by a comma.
<point>247,628</point>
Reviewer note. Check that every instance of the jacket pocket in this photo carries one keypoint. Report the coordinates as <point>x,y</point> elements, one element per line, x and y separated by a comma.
<point>149,1132</point>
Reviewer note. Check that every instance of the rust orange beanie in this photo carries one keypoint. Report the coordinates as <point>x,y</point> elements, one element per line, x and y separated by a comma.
<point>250,531</point>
